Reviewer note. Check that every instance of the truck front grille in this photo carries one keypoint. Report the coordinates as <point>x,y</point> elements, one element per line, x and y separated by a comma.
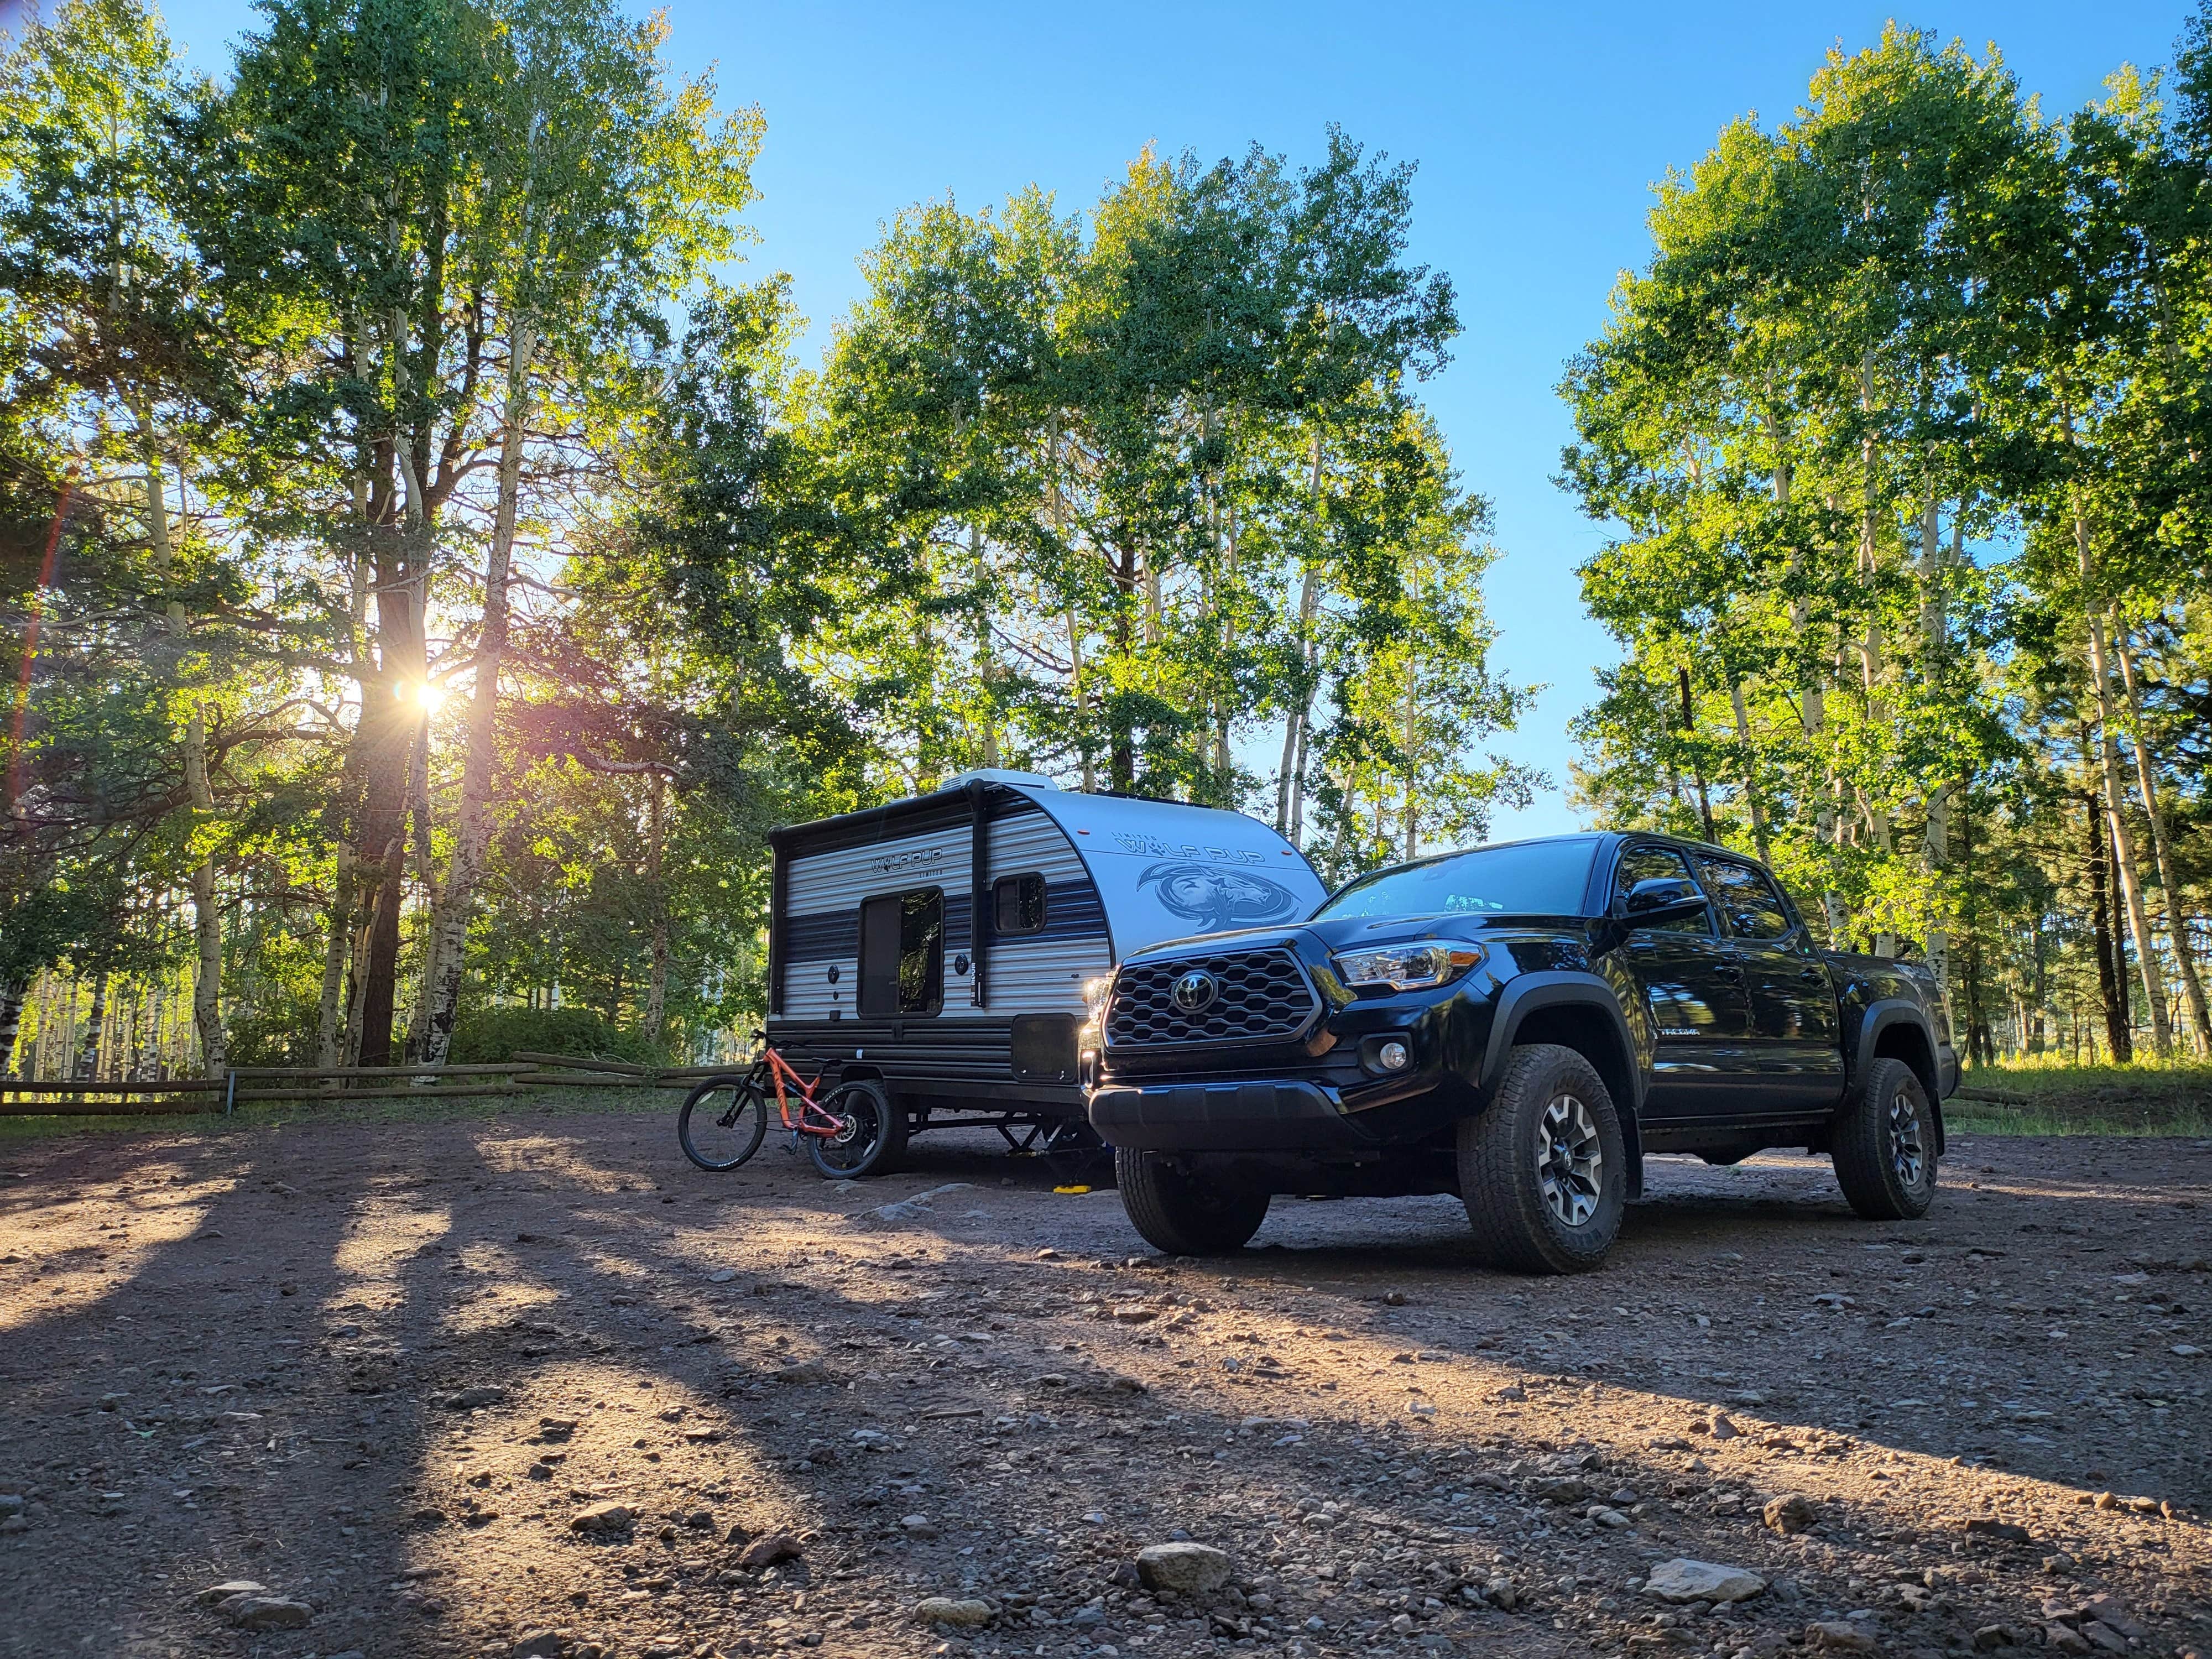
<point>1255,996</point>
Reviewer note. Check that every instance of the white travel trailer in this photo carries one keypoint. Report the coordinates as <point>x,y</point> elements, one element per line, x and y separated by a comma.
<point>941,946</point>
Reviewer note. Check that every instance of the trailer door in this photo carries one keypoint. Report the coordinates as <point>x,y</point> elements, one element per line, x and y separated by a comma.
<point>903,954</point>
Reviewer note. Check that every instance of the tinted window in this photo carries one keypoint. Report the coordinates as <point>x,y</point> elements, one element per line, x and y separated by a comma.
<point>1655,863</point>
<point>902,953</point>
<point>1527,878</point>
<point>1018,904</point>
<point>1754,908</point>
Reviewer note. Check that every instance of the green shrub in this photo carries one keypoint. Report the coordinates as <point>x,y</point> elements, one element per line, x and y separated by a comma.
<point>277,1031</point>
<point>486,1034</point>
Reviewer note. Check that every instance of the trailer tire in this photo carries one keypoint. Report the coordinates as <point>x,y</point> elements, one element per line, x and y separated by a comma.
<point>1180,1213</point>
<point>877,1140</point>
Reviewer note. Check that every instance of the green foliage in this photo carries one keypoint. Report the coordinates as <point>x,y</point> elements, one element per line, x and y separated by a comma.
<point>1900,432</point>
<point>486,1036</point>
<point>458,579</point>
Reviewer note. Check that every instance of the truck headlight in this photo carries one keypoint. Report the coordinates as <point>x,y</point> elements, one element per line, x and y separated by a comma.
<point>1407,966</point>
<point>1094,994</point>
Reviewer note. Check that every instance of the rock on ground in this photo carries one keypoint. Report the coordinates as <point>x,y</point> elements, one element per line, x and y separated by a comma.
<point>946,1610</point>
<point>1186,1568</point>
<point>1680,1581</point>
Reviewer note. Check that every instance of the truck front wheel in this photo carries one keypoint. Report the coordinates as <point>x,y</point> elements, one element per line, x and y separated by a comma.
<point>1182,1214</point>
<point>1543,1170</point>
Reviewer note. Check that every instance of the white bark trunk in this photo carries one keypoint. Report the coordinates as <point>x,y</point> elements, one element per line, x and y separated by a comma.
<point>2177,913</point>
<point>472,823</point>
<point>2115,793</point>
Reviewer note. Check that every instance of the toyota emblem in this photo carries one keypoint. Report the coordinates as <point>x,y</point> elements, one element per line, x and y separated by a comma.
<point>1194,991</point>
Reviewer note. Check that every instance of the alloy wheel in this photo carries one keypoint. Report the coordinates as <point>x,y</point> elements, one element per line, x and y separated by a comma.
<point>1569,1160</point>
<point>1906,1154</point>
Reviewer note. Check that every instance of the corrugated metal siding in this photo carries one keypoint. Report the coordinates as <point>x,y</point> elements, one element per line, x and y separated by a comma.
<point>1039,973</point>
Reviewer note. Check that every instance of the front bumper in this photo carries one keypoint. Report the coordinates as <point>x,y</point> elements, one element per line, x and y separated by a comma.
<point>1262,1115</point>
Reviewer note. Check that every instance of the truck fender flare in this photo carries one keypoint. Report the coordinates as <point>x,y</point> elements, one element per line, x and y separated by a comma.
<point>1879,1017</point>
<point>1562,988</point>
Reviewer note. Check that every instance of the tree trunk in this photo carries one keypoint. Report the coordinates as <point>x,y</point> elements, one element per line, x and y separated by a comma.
<point>2177,913</point>
<point>1872,667</point>
<point>2123,853</point>
<point>1413,821</point>
<point>327,1033</point>
<point>207,918</point>
<point>11,1023</point>
<point>88,1054</point>
<point>1121,764</point>
<point>656,842</point>
<point>2123,838</point>
<point>1750,770</point>
<point>1696,765</point>
<point>1290,781</point>
<point>1935,640</point>
<point>389,720</point>
<point>985,662</point>
<point>448,946</point>
<point>2111,982</point>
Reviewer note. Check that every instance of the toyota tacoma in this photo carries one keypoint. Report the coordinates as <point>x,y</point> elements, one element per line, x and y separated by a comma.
<point>1519,1024</point>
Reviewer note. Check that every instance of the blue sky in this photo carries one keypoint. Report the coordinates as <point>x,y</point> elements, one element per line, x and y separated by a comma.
<point>1538,130</point>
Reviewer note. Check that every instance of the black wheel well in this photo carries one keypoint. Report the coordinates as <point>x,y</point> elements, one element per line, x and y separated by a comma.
<point>1587,1030</point>
<point>1589,1033</point>
<point>1903,1039</point>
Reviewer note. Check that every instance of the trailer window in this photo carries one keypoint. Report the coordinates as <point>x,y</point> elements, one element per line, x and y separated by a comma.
<point>902,953</point>
<point>1018,904</point>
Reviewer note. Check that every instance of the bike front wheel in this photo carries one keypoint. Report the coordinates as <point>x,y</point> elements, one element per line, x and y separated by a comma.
<point>722,1122</point>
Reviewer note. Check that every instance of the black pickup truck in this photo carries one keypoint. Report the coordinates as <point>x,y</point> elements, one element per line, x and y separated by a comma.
<point>1518,1025</point>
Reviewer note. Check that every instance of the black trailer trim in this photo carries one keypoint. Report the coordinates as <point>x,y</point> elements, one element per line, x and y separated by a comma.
<point>979,892</point>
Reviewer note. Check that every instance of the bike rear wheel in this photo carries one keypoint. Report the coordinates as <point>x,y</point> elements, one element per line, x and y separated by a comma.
<point>874,1135</point>
<point>722,1122</point>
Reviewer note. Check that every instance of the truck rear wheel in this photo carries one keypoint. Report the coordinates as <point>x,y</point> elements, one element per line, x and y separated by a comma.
<point>1543,1170</point>
<point>1184,1214</point>
<point>1885,1146</point>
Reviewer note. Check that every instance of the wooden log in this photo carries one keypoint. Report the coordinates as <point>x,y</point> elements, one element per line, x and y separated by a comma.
<point>309,1073</point>
<point>103,1108</point>
<point>575,1063</point>
<point>174,1085</point>
<point>555,1080</point>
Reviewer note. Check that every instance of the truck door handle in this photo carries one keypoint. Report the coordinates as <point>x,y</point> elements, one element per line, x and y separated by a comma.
<point>1729,971</point>
<point>1810,975</point>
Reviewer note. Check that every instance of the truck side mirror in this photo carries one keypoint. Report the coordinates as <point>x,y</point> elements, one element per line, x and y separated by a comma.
<point>1657,900</point>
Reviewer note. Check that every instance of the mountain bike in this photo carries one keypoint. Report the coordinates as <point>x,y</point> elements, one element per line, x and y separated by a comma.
<point>851,1130</point>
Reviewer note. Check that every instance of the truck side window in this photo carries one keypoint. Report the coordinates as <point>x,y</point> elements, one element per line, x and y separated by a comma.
<point>1746,898</point>
<point>1645,864</point>
<point>1018,904</point>
<point>902,953</point>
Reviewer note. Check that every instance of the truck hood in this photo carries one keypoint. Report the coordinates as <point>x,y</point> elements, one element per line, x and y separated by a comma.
<point>1333,933</point>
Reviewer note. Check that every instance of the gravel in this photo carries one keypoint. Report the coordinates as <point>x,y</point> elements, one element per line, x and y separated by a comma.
<point>1981,1414</point>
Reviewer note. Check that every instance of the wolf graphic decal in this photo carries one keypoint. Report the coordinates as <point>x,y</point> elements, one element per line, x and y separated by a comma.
<point>1218,898</point>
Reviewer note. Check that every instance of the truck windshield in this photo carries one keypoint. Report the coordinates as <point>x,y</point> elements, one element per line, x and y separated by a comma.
<point>1529,877</point>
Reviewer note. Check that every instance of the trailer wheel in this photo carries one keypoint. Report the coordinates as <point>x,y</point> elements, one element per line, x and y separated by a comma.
<point>1184,1214</point>
<point>873,1143</point>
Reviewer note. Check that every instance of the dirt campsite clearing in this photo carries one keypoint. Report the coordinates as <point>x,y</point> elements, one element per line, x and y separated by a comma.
<point>535,1386</point>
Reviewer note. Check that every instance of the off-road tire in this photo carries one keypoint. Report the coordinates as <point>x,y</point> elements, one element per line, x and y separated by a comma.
<point>877,1148</point>
<point>1507,1152</point>
<point>1885,1145</point>
<point>1183,1215</point>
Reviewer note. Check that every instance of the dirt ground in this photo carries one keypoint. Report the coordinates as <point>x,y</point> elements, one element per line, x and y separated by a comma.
<point>382,1372</point>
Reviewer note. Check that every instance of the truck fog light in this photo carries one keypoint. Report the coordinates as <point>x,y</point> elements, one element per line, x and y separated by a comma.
<point>1395,1056</point>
